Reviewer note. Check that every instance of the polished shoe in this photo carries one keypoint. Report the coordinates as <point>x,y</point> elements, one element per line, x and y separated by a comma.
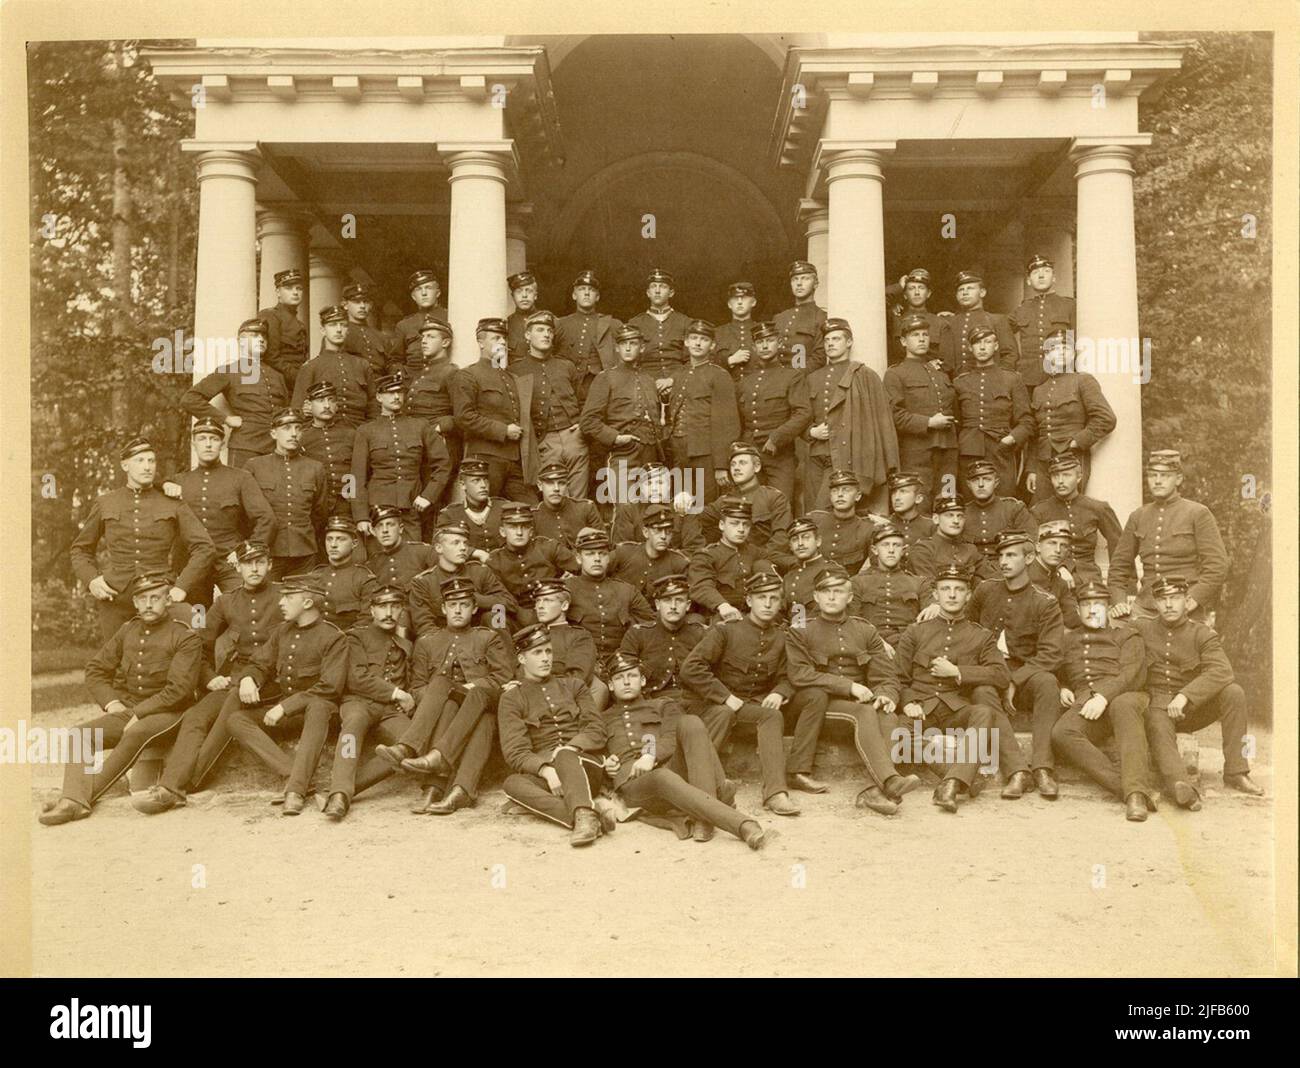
<point>156,799</point>
<point>432,762</point>
<point>1243,782</point>
<point>456,799</point>
<point>727,793</point>
<point>1017,785</point>
<point>607,811</point>
<point>701,831</point>
<point>1135,807</point>
<point>430,796</point>
<point>1045,783</point>
<point>395,754</point>
<point>945,795</point>
<point>64,810</point>
<point>873,797</point>
<point>586,827</point>
<point>293,804</point>
<point>1187,797</point>
<point>337,805</point>
<point>781,805</point>
<point>807,784</point>
<point>898,785</point>
<point>751,833</point>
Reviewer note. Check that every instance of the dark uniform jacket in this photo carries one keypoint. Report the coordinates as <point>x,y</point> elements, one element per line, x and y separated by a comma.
<point>586,340</point>
<point>985,520</point>
<point>890,600</point>
<point>972,648</point>
<point>1174,537</point>
<point>633,565</point>
<point>801,335</point>
<point>573,651</point>
<point>941,345</point>
<point>286,341</point>
<point>332,444</point>
<point>378,663</point>
<point>731,337</point>
<point>662,651</point>
<point>1038,316</point>
<point>832,654</point>
<point>399,565</point>
<point>428,396</point>
<point>702,416</point>
<point>932,555</point>
<point>916,529</point>
<point>622,400</point>
<point>244,620</point>
<point>535,718</point>
<point>298,491</point>
<point>959,353</point>
<point>770,531</point>
<point>1031,619</point>
<point>1087,517</point>
<point>373,346</point>
<point>625,523</point>
<point>717,574</point>
<point>773,404</point>
<point>915,394</point>
<point>486,400</point>
<point>1069,407</point>
<point>149,667</point>
<point>347,592</point>
<point>739,658</point>
<point>664,353</point>
<point>635,728</point>
<point>406,334</point>
<point>1050,580</point>
<point>349,374</point>
<point>479,655</point>
<point>562,524</point>
<point>425,595</point>
<point>254,396</point>
<point>1187,658</point>
<point>541,558</point>
<point>799,581</point>
<point>396,458</point>
<point>850,399</point>
<point>304,662</point>
<point>484,534</point>
<point>845,539</point>
<point>1109,661</point>
<point>556,390</point>
<point>229,503</point>
<point>605,608</point>
<point>992,402</point>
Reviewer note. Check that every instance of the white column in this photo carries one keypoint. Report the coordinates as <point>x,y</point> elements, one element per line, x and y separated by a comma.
<point>816,219</point>
<point>225,288</point>
<point>476,259</point>
<point>325,287</point>
<point>283,237</point>
<point>855,184</point>
<point>517,216</point>
<point>1108,308</point>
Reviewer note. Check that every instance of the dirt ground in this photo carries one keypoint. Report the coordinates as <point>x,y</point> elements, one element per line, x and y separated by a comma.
<point>226,886</point>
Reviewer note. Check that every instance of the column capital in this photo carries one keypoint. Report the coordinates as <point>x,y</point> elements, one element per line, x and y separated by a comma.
<point>496,160</point>
<point>1095,155</point>
<point>282,219</point>
<point>852,159</point>
<point>225,159</point>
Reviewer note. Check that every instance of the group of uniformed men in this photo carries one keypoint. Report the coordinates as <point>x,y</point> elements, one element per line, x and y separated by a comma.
<point>614,576</point>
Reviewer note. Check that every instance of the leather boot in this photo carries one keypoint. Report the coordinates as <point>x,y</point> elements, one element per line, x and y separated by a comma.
<point>945,795</point>
<point>1135,807</point>
<point>1017,785</point>
<point>898,785</point>
<point>586,827</point>
<point>456,798</point>
<point>873,798</point>
<point>337,805</point>
<point>1045,783</point>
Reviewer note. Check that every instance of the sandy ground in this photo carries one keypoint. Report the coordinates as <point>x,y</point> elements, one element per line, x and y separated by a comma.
<point>1004,888</point>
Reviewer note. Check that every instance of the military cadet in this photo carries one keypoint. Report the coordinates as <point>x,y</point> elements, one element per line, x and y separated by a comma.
<point>659,757</point>
<point>650,486</point>
<point>253,390</point>
<point>1102,676</point>
<point>586,337</point>
<point>907,511</point>
<point>138,526</point>
<point>1190,685</point>
<point>1042,313</point>
<point>228,502</point>
<point>737,673</point>
<point>798,583</point>
<point>573,648</point>
<point>946,547</point>
<point>393,560</point>
<point>642,563</point>
<point>1030,621</point>
<point>286,333</point>
<point>143,678</point>
<point>301,670</point>
<point>987,513</point>
<point>851,426</point>
<point>916,290</point>
<point>885,595</point>
<point>555,406</point>
<point>948,669</point>
<point>526,556</point>
<point>1173,537</point>
<point>664,330</point>
<point>379,663</point>
<point>702,419</point>
<point>551,738</point>
<point>734,346</point>
<point>719,573</point>
<point>428,378</point>
<point>242,620</point>
<point>451,544</point>
<point>363,340</point>
<point>924,410</point>
<point>1070,413</point>
<point>970,296</point>
<point>1048,572</point>
<point>457,673</point>
<point>480,512</point>
<point>350,375</point>
<point>605,607</point>
<point>993,414</point>
<point>346,585</point>
<point>557,515</point>
<point>845,535</point>
<point>663,646</point>
<point>329,440</point>
<point>524,292</point>
<point>397,459</point>
<point>769,509</point>
<point>297,489</point>
<point>621,413</point>
<point>492,411</point>
<point>800,327</point>
<point>1087,517</point>
<point>407,349</point>
<point>840,670</point>
<point>774,410</point>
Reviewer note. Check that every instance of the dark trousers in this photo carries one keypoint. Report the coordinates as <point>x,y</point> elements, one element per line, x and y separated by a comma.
<point>282,566</point>
<point>1227,707</point>
<point>1010,758</point>
<point>703,481</point>
<point>688,782</point>
<point>202,738</point>
<point>359,717</point>
<point>125,743</point>
<point>778,472</point>
<point>239,457</point>
<point>868,739</point>
<point>937,468</point>
<point>719,719</point>
<point>1040,696</point>
<point>112,614</point>
<point>245,726</point>
<point>1077,740</point>
<point>972,717</point>
<point>462,729</point>
<point>506,479</point>
<point>580,775</point>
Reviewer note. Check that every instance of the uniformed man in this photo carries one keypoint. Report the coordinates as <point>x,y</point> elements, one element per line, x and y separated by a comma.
<point>428,378</point>
<point>737,673</point>
<point>1190,685</point>
<point>1070,412</point>
<point>1048,572</point>
<point>253,389</point>
<point>702,417</point>
<point>621,413</point>
<point>734,347</point>
<point>659,757</point>
<point>845,534</point>
<point>524,292</point>
<point>143,678</point>
<point>642,563</point>
<point>970,296</point>
<point>798,583</point>
<point>479,512</point>
<point>379,662</point>
<point>526,556</point>
<point>398,460</point>
<point>139,528</point>
<point>330,441</point>
<point>769,509</point>
<point>663,646</point>
<point>719,573</point>
<point>1102,676</point>
<point>924,410</point>
<point>551,738</point>
<point>992,407</point>
<point>664,330</point>
<point>605,607</point>
<point>451,544</point>
<point>800,327</point>
<point>586,337</point>
<point>988,514</point>
<point>1173,537</point>
<point>557,515</point>
<point>297,489</point>
<point>492,410</point>
<point>302,670</point>
<point>350,375</point>
<point>649,487</point>
<point>840,670</point>
<point>1042,313</point>
<point>556,403</point>
<point>286,333</point>
<point>945,548</point>
<point>1088,517</point>
<point>948,669</point>
<point>425,291</point>
<point>573,648</point>
<point>363,340</point>
<point>851,426</point>
<point>240,622</point>
<point>774,410</point>
<point>228,502</point>
<point>909,506</point>
<point>1029,621</point>
<point>346,585</point>
<point>916,290</point>
<point>392,559</point>
<point>885,595</point>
